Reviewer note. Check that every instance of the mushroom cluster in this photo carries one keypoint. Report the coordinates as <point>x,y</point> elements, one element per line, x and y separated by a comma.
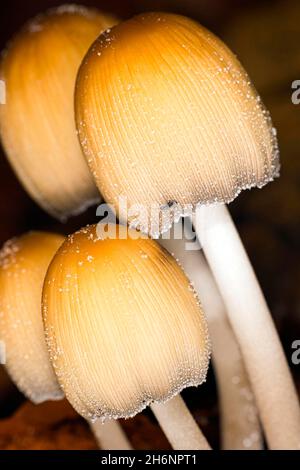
<point>165,116</point>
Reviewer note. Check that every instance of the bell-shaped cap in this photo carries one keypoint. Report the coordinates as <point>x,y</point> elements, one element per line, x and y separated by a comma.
<point>23,265</point>
<point>167,114</point>
<point>123,325</point>
<point>37,125</point>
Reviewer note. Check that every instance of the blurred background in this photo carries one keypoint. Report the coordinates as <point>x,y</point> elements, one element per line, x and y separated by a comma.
<point>265,36</point>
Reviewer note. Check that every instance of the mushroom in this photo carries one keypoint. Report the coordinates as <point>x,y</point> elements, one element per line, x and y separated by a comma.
<point>125,331</point>
<point>37,125</point>
<point>167,115</point>
<point>23,265</point>
<point>240,426</point>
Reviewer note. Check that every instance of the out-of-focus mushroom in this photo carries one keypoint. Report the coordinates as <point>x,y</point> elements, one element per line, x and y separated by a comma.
<point>23,265</point>
<point>37,125</point>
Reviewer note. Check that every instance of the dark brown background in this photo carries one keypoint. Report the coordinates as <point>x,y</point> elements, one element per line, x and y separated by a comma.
<point>266,37</point>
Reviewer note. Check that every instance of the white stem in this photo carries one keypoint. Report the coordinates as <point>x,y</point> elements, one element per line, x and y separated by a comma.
<point>110,435</point>
<point>179,425</point>
<point>250,318</point>
<point>240,428</point>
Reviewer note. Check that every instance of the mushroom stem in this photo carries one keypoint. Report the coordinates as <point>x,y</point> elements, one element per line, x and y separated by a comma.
<point>179,425</point>
<point>240,427</point>
<point>110,435</point>
<point>252,323</point>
